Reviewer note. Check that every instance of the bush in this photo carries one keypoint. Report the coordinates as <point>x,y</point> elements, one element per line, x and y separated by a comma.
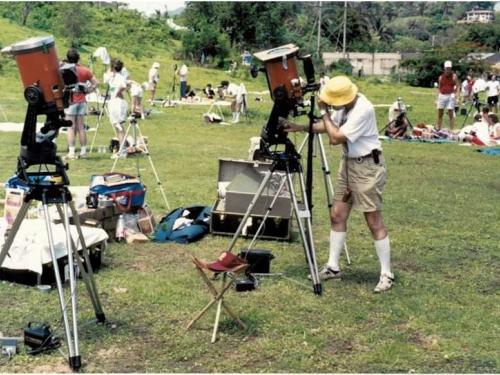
<point>343,66</point>
<point>207,42</point>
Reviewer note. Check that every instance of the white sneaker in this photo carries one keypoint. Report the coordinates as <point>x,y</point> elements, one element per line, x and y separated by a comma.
<point>385,283</point>
<point>118,156</point>
<point>327,273</point>
<point>70,156</point>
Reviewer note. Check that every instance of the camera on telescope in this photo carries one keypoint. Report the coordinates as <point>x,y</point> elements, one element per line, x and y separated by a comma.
<point>286,87</point>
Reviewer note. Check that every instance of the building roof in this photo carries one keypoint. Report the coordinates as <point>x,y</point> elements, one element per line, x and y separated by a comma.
<point>490,58</point>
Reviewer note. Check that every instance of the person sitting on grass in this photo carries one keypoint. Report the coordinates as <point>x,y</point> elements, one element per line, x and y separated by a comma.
<point>209,92</point>
<point>494,128</point>
<point>479,134</point>
<point>484,113</point>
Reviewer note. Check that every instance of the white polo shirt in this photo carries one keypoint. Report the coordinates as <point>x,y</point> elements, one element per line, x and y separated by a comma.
<point>492,88</point>
<point>359,126</point>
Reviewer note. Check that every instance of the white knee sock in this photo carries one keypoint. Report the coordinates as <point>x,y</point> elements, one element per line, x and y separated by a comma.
<point>337,240</point>
<point>383,249</point>
<point>71,150</point>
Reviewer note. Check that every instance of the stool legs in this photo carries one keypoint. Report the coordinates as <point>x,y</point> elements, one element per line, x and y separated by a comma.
<point>218,296</point>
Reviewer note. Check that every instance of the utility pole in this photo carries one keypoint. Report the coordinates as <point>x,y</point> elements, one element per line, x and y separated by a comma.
<point>345,27</point>
<point>319,30</point>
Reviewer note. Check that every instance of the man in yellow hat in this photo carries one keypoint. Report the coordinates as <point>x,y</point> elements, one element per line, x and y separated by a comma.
<point>362,174</point>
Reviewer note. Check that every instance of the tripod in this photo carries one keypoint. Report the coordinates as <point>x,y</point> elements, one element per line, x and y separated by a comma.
<point>400,121</point>
<point>59,195</point>
<point>134,125</point>
<point>475,103</point>
<point>215,104</point>
<point>172,94</point>
<point>244,107</point>
<point>289,163</point>
<point>326,175</point>
<point>99,118</point>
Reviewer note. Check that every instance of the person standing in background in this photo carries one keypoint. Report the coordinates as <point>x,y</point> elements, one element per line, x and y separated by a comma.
<point>182,72</point>
<point>153,79</point>
<point>492,91</point>
<point>78,108</point>
<point>448,91</point>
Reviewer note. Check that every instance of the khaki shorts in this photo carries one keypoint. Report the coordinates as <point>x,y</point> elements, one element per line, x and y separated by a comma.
<point>366,181</point>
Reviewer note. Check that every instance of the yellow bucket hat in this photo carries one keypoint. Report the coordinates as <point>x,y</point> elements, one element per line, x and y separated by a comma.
<point>338,91</point>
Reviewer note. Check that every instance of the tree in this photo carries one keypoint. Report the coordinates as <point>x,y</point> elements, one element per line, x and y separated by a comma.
<point>74,21</point>
<point>27,7</point>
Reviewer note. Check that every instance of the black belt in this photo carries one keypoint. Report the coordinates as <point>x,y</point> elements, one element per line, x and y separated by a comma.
<point>375,154</point>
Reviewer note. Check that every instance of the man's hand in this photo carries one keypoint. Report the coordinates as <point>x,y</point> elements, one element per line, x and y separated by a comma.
<point>290,127</point>
<point>322,105</point>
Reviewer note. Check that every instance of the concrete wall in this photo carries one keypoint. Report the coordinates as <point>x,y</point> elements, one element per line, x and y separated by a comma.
<point>370,63</point>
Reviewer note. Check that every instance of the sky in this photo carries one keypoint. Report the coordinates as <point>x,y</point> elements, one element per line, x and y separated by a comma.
<point>149,7</point>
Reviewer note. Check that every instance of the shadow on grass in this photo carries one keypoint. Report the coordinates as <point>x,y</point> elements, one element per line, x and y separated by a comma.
<point>229,326</point>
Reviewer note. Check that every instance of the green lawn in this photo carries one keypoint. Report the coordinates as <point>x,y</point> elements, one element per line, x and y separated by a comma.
<point>441,208</point>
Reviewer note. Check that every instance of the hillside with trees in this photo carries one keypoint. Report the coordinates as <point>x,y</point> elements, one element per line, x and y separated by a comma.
<point>217,32</point>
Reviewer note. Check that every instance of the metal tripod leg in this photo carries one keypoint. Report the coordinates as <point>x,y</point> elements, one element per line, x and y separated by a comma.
<point>136,130</point>
<point>88,275</point>
<point>74,358</point>
<point>257,195</point>
<point>268,212</point>
<point>122,147</point>
<point>99,118</point>
<point>155,172</point>
<point>307,240</point>
<point>328,183</point>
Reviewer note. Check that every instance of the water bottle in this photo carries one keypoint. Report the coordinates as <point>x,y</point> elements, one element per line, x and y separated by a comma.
<point>120,229</point>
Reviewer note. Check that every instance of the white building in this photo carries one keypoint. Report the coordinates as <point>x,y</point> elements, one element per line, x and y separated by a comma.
<point>478,16</point>
<point>368,63</point>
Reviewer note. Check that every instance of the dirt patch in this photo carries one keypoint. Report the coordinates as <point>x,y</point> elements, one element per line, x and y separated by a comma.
<point>426,341</point>
<point>339,346</point>
<point>154,259</point>
<point>59,366</point>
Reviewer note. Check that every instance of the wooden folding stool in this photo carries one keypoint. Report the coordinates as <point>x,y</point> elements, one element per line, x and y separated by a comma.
<point>229,265</point>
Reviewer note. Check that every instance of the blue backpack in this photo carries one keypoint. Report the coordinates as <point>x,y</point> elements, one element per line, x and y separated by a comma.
<point>187,232</point>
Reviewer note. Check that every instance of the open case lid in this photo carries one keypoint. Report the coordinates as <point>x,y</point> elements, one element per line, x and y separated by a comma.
<point>276,53</point>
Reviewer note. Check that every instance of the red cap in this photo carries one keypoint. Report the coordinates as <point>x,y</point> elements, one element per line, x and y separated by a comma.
<point>226,262</point>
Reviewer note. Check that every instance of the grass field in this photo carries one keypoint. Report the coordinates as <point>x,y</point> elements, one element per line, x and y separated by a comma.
<point>440,205</point>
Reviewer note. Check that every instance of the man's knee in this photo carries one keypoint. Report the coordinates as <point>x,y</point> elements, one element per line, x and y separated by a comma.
<point>375,222</point>
<point>338,216</point>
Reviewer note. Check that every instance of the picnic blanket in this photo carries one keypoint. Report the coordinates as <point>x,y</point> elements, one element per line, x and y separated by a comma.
<point>490,151</point>
<point>435,141</point>
<point>223,103</point>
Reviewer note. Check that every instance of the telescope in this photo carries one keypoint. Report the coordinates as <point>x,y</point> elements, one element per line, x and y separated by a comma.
<point>47,90</point>
<point>286,87</point>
